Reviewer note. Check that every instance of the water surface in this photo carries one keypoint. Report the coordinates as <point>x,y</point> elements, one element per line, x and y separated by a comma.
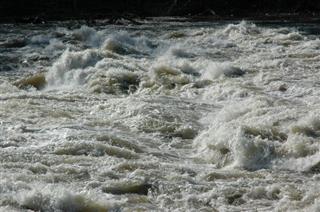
<point>172,116</point>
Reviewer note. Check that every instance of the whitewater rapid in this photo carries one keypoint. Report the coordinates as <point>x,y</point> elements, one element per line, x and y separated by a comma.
<point>163,116</point>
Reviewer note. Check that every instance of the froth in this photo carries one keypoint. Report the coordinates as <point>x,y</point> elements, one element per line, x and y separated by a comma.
<point>72,68</point>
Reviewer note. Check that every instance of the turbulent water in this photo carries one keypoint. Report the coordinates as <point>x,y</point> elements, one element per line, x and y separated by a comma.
<point>164,116</point>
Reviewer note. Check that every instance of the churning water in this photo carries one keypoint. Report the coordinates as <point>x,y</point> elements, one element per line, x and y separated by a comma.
<point>160,117</point>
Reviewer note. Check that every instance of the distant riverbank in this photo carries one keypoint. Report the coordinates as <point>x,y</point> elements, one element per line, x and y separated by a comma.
<point>36,11</point>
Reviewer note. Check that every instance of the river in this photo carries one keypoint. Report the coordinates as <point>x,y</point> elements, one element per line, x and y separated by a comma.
<point>163,116</point>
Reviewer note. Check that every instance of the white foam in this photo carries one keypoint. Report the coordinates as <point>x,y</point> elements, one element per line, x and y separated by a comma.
<point>220,116</point>
<point>216,70</point>
<point>89,35</point>
<point>72,68</point>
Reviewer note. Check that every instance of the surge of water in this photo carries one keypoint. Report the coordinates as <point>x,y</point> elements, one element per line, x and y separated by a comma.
<point>180,117</point>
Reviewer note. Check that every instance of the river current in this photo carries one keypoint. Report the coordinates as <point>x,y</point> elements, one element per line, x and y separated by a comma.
<point>163,116</point>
